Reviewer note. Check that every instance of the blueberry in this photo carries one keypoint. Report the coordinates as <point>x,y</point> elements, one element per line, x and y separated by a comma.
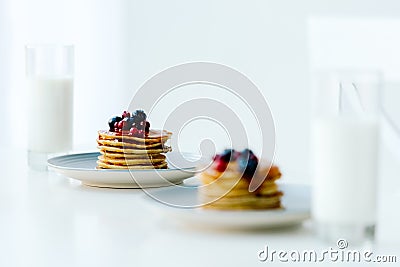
<point>247,162</point>
<point>227,155</point>
<point>112,122</point>
<point>139,116</point>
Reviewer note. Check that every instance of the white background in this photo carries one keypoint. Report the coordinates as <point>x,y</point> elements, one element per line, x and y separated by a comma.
<point>120,44</point>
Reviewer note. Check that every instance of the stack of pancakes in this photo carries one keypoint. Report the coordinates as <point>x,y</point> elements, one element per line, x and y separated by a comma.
<point>229,190</point>
<point>129,152</point>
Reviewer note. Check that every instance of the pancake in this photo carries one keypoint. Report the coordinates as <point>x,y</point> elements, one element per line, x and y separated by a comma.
<point>225,184</point>
<point>111,149</point>
<point>117,143</point>
<point>231,177</point>
<point>127,151</point>
<point>128,162</point>
<point>220,189</point>
<point>154,136</point>
<point>103,165</point>
<point>242,203</point>
<point>116,155</point>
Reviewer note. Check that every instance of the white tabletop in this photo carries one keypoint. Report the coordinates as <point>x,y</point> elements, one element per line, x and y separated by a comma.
<point>51,220</point>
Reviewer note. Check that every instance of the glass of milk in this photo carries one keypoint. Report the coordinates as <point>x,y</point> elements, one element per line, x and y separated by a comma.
<point>49,73</point>
<point>345,136</point>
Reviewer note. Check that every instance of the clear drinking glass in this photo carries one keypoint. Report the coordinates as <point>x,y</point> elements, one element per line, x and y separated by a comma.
<point>345,149</point>
<point>49,73</point>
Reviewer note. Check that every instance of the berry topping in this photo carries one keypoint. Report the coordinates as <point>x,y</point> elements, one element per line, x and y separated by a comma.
<point>139,116</point>
<point>112,121</point>
<point>140,125</point>
<point>220,165</point>
<point>133,131</point>
<point>121,125</point>
<point>126,114</point>
<point>140,133</point>
<point>247,162</point>
<point>127,122</point>
<point>228,155</point>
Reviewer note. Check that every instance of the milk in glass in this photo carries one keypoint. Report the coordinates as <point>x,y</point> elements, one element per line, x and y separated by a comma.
<point>49,73</point>
<point>50,114</point>
<point>344,148</point>
<point>345,168</point>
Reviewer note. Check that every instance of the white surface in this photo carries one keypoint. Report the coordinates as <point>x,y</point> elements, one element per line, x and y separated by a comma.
<point>345,169</point>
<point>360,43</point>
<point>50,114</point>
<point>355,42</point>
<point>82,167</point>
<point>295,202</point>
<point>48,220</point>
<point>264,39</point>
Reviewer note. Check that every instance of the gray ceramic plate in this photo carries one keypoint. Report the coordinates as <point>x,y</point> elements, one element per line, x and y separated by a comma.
<point>82,167</point>
<point>296,202</point>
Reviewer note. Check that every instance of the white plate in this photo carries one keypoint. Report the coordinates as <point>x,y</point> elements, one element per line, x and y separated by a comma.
<point>296,202</point>
<point>82,167</point>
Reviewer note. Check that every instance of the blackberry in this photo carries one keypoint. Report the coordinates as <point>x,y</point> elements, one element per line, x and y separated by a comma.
<point>112,121</point>
<point>247,162</point>
<point>147,128</point>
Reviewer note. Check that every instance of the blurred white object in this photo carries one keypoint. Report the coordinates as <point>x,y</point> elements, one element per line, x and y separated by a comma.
<point>390,134</point>
<point>345,138</point>
<point>49,71</point>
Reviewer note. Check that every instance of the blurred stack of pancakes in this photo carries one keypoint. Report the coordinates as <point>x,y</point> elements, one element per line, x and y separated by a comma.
<point>124,151</point>
<point>227,187</point>
<point>131,144</point>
